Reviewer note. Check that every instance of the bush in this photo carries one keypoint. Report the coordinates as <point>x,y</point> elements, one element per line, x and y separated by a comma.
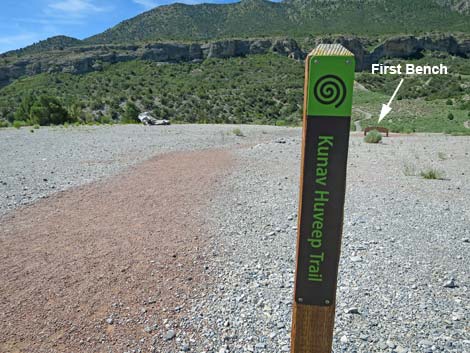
<point>450,116</point>
<point>432,174</point>
<point>4,123</point>
<point>237,132</point>
<point>105,119</point>
<point>49,111</point>
<point>442,156</point>
<point>373,137</point>
<point>131,114</point>
<point>24,110</point>
<point>450,102</point>
<point>18,124</point>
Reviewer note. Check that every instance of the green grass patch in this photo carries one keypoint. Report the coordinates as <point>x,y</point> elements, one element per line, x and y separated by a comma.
<point>432,174</point>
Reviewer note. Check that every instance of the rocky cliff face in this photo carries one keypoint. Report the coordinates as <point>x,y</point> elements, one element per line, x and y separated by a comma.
<point>80,60</point>
<point>405,47</point>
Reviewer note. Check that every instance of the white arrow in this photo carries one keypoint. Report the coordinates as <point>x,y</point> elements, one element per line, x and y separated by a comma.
<point>386,108</point>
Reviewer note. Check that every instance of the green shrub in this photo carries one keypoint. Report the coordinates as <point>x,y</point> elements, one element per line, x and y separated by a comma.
<point>237,132</point>
<point>450,116</point>
<point>450,102</point>
<point>18,124</point>
<point>432,173</point>
<point>373,137</point>
<point>131,114</point>
<point>408,130</point>
<point>24,109</point>
<point>4,123</point>
<point>105,119</point>
<point>36,126</point>
<point>49,111</point>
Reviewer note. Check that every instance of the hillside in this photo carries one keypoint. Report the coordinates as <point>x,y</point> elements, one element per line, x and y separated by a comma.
<point>53,43</point>
<point>261,89</point>
<point>296,18</point>
<point>178,63</point>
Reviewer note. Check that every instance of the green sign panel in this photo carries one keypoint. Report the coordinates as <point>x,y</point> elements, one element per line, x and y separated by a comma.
<point>329,90</point>
<point>330,85</point>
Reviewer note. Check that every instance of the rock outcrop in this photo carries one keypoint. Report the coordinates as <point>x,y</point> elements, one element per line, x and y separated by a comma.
<point>80,60</point>
<point>405,47</point>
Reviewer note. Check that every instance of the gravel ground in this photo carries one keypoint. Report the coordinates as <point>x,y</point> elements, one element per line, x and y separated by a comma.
<point>34,165</point>
<point>405,239</point>
<point>405,255</point>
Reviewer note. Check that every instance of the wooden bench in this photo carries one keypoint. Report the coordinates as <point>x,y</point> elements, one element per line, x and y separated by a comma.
<point>382,130</point>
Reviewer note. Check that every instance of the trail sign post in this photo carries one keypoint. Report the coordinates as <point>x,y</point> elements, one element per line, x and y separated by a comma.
<point>329,81</point>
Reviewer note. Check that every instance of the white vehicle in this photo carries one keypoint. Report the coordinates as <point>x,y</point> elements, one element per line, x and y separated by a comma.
<point>148,119</point>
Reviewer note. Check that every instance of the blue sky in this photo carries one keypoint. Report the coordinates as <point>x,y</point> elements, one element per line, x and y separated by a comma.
<point>24,22</point>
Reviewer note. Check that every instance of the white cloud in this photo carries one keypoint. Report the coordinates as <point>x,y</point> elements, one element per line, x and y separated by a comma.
<point>150,4</point>
<point>75,7</point>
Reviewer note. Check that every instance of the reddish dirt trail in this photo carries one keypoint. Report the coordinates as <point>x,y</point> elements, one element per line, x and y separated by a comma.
<point>70,261</point>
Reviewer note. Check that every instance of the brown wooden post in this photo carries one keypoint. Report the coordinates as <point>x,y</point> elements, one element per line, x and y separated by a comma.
<point>329,79</point>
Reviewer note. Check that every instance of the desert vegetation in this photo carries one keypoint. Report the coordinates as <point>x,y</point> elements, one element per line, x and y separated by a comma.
<point>257,89</point>
<point>373,137</point>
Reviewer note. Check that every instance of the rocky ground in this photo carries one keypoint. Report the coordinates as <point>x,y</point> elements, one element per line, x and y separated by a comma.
<point>34,165</point>
<point>403,283</point>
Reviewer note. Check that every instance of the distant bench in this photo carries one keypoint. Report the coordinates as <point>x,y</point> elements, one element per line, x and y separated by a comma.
<point>383,130</point>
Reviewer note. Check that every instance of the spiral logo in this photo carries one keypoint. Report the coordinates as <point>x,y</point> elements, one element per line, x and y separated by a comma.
<point>330,89</point>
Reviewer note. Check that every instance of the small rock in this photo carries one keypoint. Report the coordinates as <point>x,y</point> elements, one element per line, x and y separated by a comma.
<point>450,284</point>
<point>150,329</point>
<point>400,349</point>
<point>352,311</point>
<point>382,345</point>
<point>169,335</point>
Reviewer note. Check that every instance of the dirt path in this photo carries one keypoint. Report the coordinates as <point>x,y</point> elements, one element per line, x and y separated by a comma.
<point>357,123</point>
<point>130,249</point>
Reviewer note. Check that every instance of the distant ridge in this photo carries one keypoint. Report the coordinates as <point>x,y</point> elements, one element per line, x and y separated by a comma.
<point>295,18</point>
<point>53,43</point>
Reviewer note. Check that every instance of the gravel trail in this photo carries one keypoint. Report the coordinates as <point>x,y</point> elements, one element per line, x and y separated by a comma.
<point>404,281</point>
<point>98,267</point>
<point>35,165</point>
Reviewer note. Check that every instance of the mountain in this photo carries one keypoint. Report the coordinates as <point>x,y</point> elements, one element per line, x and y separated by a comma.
<point>295,18</point>
<point>53,43</point>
